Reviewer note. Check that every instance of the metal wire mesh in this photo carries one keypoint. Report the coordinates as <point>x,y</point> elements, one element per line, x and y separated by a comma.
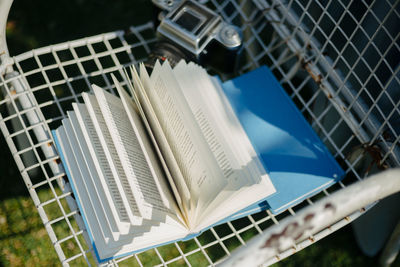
<point>338,61</point>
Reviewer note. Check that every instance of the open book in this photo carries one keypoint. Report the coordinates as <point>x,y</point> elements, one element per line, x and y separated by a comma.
<point>161,164</point>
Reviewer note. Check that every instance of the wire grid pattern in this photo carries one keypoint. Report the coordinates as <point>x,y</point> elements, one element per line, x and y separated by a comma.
<point>338,60</point>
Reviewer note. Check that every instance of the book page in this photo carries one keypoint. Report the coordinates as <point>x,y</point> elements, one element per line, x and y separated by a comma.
<point>99,235</point>
<point>233,127</point>
<point>195,159</point>
<point>151,134</point>
<point>148,114</point>
<point>101,216</point>
<point>166,185</point>
<point>242,199</point>
<point>247,179</point>
<point>220,126</point>
<point>121,179</point>
<point>158,235</point>
<point>198,94</point>
<point>77,174</point>
<point>104,182</point>
<point>106,209</point>
<point>136,164</point>
<point>113,160</point>
<point>230,159</point>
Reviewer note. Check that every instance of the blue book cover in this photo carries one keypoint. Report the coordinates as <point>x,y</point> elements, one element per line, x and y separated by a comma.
<point>296,160</point>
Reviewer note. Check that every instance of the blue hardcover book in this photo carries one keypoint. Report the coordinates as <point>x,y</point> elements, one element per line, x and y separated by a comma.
<point>289,158</point>
<point>297,161</point>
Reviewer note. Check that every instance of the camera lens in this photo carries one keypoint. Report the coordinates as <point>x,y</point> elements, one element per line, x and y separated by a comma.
<point>162,51</point>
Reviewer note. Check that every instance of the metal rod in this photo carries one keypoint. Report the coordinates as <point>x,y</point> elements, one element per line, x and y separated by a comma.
<point>315,218</point>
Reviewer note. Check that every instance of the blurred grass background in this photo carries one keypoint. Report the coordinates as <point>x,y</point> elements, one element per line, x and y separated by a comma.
<point>23,239</point>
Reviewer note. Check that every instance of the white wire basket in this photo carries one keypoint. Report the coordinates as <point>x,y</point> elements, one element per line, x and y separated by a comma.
<point>338,61</point>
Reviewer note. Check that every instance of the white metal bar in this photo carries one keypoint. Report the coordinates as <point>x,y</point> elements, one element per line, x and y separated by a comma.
<point>315,218</point>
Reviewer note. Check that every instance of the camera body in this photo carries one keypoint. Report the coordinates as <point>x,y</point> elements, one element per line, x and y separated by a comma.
<point>190,31</point>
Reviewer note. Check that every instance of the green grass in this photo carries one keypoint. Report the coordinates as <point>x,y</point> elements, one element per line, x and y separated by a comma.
<point>23,239</point>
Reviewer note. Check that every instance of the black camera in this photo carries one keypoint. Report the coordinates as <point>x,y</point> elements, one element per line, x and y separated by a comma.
<point>190,31</point>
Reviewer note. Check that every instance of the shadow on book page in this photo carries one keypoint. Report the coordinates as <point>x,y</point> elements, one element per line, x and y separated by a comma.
<point>297,161</point>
